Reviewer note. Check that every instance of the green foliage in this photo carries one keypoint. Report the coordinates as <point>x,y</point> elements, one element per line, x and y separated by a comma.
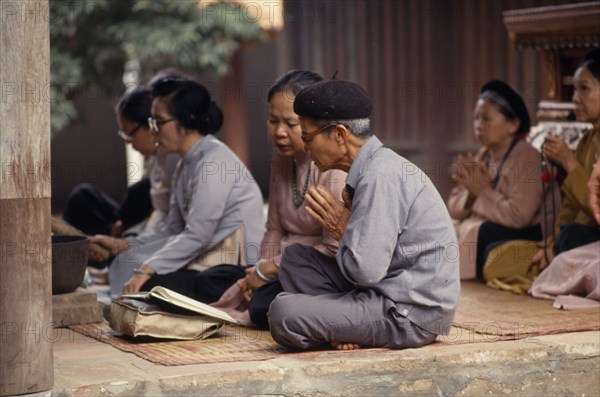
<point>92,40</point>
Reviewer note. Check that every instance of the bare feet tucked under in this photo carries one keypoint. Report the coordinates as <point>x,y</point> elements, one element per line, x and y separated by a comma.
<point>345,346</point>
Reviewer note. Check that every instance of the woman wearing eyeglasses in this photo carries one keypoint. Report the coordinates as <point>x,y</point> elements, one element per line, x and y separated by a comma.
<point>146,203</point>
<point>215,212</point>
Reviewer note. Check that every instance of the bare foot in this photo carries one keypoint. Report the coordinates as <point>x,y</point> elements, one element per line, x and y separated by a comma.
<point>345,346</point>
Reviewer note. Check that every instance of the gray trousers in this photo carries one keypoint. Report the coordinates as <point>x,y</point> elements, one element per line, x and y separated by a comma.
<point>319,306</point>
<point>121,268</point>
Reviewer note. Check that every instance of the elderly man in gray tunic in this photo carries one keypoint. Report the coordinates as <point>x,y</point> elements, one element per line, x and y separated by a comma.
<point>395,280</point>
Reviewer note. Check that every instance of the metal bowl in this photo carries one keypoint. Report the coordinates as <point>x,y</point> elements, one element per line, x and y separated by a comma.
<point>69,261</point>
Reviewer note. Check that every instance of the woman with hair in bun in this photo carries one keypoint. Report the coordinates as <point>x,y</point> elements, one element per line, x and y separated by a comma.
<point>247,292</point>
<point>576,268</point>
<point>159,167</point>
<point>146,203</point>
<point>288,222</point>
<point>499,194</point>
<point>216,206</point>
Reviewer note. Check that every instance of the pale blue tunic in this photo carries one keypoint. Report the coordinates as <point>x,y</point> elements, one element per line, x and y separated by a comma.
<point>212,196</point>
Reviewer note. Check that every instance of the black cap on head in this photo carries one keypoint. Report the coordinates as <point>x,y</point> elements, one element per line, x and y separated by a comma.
<point>513,106</point>
<point>592,62</point>
<point>332,100</point>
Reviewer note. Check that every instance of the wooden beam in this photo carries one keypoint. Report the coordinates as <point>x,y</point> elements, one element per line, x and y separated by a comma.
<point>564,26</point>
<point>25,250</point>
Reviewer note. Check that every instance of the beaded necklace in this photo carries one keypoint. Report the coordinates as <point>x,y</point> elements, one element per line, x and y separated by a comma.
<point>488,161</point>
<point>298,197</point>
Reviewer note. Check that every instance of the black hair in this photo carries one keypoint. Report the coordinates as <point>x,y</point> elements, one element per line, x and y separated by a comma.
<point>189,102</point>
<point>135,105</point>
<point>165,73</point>
<point>508,102</point>
<point>294,81</point>
<point>592,62</point>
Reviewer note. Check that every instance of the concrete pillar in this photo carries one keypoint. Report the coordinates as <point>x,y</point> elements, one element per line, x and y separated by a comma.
<point>25,254</point>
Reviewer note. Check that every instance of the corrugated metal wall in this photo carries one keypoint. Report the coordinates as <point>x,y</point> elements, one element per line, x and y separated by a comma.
<point>422,62</point>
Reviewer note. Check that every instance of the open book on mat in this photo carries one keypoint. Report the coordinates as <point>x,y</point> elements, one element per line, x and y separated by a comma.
<point>174,302</point>
<point>162,313</point>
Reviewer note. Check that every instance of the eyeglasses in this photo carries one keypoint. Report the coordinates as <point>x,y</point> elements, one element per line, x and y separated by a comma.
<point>156,124</point>
<point>309,136</point>
<point>128,136</point>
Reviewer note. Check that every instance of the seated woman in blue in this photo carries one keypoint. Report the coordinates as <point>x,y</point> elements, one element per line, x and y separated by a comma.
<point>216,206</point>
<point>146,202</point>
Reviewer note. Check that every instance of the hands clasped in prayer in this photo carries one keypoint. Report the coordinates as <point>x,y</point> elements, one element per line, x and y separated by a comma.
<point>332,214</point>
<point>556,150</point>
<point>472,174</point>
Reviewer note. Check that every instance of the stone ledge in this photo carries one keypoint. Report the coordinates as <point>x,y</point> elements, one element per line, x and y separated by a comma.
<point>547,365</point>
<point>78,307</point>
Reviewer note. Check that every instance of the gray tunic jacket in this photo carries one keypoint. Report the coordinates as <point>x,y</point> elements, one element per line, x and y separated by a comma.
<point>400,239</point>
<point>213,194</point>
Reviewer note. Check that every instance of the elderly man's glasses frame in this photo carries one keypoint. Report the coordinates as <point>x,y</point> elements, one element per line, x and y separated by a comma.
<point>308,137</point>
<point>155,124</point>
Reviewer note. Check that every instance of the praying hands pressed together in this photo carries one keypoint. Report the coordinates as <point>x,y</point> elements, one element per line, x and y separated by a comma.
<point>332,214</point>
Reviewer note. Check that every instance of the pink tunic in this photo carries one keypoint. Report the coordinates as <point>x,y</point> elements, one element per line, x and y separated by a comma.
<point>572,279</point>
<point>515,203</point>
<point>287,224</point>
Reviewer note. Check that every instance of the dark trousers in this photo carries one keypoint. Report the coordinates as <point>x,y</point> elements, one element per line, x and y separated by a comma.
<point>573,235</point>
<point>93,212</point>
<point>136,205</point>
<point>90,210</point>
<point>260,302</point>
<point>206,286</point>
<point>492,234</point>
